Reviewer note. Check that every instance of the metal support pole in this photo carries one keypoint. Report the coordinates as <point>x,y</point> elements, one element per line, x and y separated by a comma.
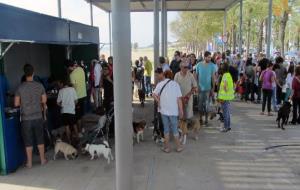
<point>225,31</point>
<point>59,8</point>
<point>109,28</point>
<point>163,23</point>
<point>156,33</point>
<point>269,32</point>
<point>122,93</point>
<point>166,31</point>
<point>241,28</point>
<point>91,12</point>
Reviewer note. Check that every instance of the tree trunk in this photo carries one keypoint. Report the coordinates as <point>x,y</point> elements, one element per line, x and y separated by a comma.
<point>234,38</point>
<point>283,23</point>
<point>260,36</point>
<point>248,36</point>
<point>298,39</point>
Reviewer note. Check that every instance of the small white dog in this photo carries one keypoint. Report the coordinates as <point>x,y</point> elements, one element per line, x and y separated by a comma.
<point>66,149</point>
<point>100,149</point>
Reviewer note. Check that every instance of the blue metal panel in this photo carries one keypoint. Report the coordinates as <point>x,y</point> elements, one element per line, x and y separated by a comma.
<point>22,25</point>
<point>80,33</point>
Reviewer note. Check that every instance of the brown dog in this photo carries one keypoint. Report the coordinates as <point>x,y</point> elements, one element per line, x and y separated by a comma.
<point>138,129</point>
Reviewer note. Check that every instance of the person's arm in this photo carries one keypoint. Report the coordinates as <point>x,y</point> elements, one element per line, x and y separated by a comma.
<point>213,79</point>
<point>17,101</point>
<point>180,107</point>
<point>75,96</point>
<point>59,99</point>
<point>262,76</point>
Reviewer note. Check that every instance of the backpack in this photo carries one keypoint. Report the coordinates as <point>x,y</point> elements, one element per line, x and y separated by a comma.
<point>249,72</point>
<point>139,73</point>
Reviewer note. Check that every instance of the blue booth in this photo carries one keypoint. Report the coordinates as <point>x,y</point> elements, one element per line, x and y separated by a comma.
<point>44,42</point>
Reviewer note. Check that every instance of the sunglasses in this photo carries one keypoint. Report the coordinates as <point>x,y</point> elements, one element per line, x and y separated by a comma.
<point>186,67</point>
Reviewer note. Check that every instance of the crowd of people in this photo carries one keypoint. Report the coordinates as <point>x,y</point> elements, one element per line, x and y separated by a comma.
<point>216,79</point>
<point>210,81</point>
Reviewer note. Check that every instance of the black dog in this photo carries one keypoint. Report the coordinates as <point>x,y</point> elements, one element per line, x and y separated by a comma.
<point>283,114</point>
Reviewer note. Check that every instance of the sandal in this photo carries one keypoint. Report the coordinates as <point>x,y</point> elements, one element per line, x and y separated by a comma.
<point>262,113</point>
<point>27,166</point>
<point>165,150</point>
<point>44,162</point>
<point>180,149</point>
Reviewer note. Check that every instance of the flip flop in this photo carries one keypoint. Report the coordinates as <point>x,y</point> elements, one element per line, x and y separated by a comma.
<point>165,150</point>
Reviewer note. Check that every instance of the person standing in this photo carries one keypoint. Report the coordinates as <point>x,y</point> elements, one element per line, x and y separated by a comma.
<point>205,74</point>
<point>267,77</point>
<point>281,73</point>
<point>108,87</point>
<point>147,75</point>
<point>225,95</point>
<point>168,96</point>
<point>296,97</point>
<point>77,79</point>
<point>97,91</point>
<point>188,86</point>
<point>31,98</point>
<point>250,77</point>
<point>67,99</point>
<point>175,64</point>
<point>289,81</point>
<point>110,65</point>
<point>164,64</point>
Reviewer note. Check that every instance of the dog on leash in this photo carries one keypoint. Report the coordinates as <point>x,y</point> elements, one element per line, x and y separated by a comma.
<point>100,149</point>
<point>138,129</point>
<point>183,131</point>
<point>66,149</point>
<point>283,115</point>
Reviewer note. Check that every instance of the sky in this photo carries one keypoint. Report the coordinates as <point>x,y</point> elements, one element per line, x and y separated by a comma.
<point>79,10</point>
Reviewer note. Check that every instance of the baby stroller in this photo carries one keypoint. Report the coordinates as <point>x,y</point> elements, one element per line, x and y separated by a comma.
<point>157,135</point>
<point>99,132</point>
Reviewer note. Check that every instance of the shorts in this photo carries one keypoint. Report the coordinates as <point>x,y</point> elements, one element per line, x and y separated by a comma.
<point>170,123</point>
<point>32,129</point>
<point>68,119</point>
<point>203,101</point>
<point>80,108</point>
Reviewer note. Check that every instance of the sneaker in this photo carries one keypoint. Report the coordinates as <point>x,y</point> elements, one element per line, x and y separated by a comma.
<point>224,130</point>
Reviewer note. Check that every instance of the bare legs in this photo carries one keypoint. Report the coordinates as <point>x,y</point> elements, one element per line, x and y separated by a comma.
<point>41,148</point>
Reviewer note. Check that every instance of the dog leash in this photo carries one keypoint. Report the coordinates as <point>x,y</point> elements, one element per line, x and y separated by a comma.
<point>278,146</point>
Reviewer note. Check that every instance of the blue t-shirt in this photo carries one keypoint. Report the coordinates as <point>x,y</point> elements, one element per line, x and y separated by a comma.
<point>205,72</point>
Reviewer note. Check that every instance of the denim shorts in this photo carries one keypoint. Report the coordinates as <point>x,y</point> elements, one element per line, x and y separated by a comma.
<point>170,123</point>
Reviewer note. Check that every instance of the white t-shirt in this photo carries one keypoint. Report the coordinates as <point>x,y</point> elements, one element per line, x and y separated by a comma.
<point>67,96</point>
<point>97,73</point>
<point>289,80</point>
<point>168,98</point>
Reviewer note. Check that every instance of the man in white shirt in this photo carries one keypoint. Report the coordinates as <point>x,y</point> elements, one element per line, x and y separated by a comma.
<point>97,73</point>
<point>168,95</point>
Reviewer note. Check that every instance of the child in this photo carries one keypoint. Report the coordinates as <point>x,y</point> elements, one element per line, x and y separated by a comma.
<point>225,95</point>
<point>67,100</point>
<point>240,86</point>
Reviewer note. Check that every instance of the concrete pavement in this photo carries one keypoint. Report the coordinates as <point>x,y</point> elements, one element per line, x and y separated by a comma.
<point>235,160</point>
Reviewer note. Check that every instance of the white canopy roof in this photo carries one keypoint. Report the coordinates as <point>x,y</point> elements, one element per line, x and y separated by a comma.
<point>172,5</point>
